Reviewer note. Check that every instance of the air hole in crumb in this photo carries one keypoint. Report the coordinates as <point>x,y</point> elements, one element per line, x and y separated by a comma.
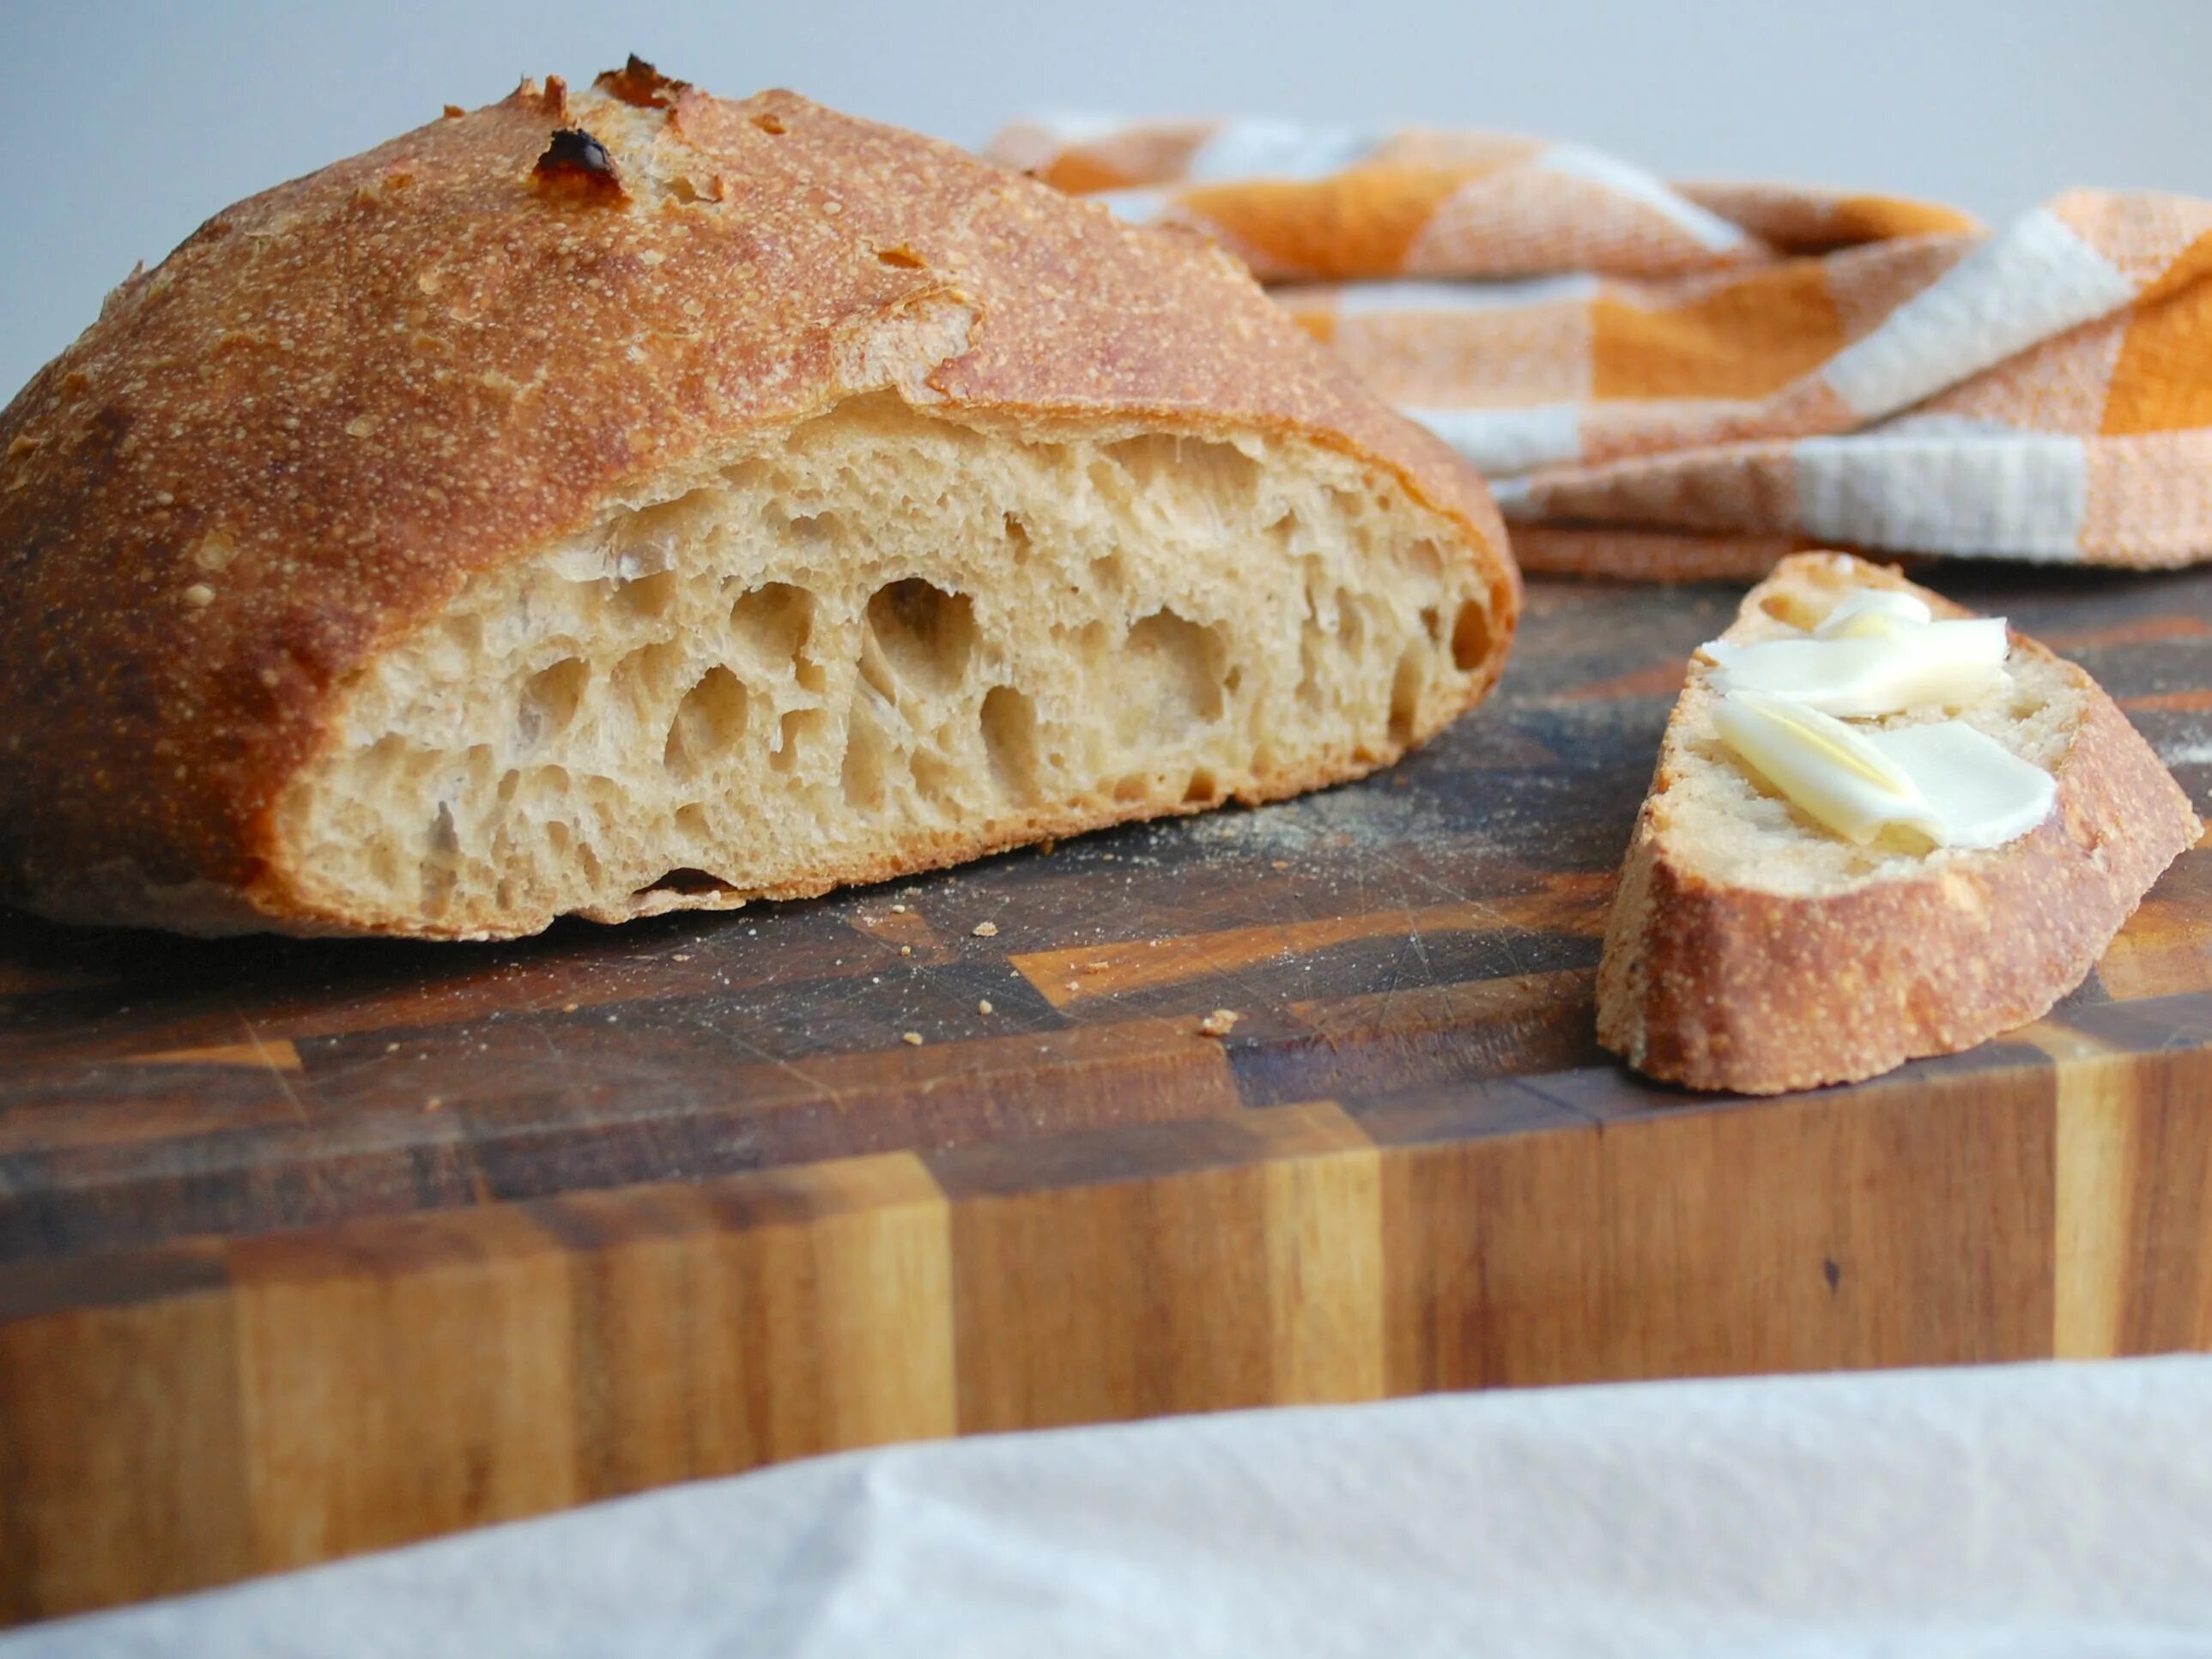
<point>549,700</point>
<point>1131,790</point>
<point>441,856</point>
<point>794,735</point>
<point>1202,789</point>
<point>1009,736</point>
<point>867,755</point>
<point>386,755</point>
<point>692,822</point>
<point>1094,647</point>
<point>1310,639</point>
<point>1470,637</point>
<point>708,723</point>
<point>647,597</point>
<point>774,621</point>
<point>1183,663</point>
<point>1406,690</point>
<point>646,677</point>
<point>1790,608</point>
<point>1151,456</point>
<point>937,778</point>
<point>1432,624</point>
<point>645,543</point>
<point>876,673</point>
<point>687,881</point>
<point>1017,538</point>
<point>1107,573</point>
<point>926,633</point>
<point>1351,621</point>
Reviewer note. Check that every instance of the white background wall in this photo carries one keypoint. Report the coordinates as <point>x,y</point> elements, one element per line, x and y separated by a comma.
<point>129,124</point>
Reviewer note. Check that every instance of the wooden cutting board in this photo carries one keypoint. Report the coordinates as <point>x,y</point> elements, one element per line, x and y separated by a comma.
<point>312,1247</point>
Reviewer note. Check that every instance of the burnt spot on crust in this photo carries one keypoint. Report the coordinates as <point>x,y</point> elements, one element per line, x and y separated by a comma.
<point>901,257</point>
<point>577,165</point>
<point>454,111</point>
<point>770,123</point>
<point>640,85</point>
<point>106,431</point>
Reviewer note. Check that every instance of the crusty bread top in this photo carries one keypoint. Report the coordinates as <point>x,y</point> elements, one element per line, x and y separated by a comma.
<point>299,436</point>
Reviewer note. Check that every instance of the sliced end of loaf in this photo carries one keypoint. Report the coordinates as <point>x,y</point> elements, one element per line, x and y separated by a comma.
<point>884,642</point>
<point>1750,949</point>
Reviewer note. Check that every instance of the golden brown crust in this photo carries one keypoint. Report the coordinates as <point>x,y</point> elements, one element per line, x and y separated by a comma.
<point>294,439</point>
<point>1726,988</point>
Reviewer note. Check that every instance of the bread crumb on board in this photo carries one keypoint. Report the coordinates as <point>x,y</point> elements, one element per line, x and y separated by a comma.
<point>912,1038</point>
<point>1219,1023</point>
<point>984,1007</point>
<point>985,930</point>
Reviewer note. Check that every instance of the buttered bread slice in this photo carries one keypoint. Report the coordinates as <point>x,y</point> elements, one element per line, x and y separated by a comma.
<point>1880,828</point>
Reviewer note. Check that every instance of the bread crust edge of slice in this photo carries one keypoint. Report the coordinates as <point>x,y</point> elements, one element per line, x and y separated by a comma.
<point>1719,988</point>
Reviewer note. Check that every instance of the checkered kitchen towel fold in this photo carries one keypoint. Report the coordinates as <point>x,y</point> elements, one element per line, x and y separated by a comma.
<point>1676,380</point>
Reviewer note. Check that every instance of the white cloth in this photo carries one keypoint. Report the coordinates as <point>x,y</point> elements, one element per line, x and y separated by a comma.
<point>2033,1510</point>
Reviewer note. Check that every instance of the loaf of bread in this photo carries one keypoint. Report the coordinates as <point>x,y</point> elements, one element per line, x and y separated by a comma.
<point>1752,948</point>
<point>605,503</point>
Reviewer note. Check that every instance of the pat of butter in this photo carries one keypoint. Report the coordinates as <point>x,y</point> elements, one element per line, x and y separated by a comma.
<point>1872,610</point>
<point>1984,793</point>
<point>1955,784</point>
<point>1942,665</point>
<point>1829,772</point>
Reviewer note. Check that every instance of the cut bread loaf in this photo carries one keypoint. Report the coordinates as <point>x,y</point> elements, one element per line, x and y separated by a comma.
<point>1751,949</point>
<point>609,503</point>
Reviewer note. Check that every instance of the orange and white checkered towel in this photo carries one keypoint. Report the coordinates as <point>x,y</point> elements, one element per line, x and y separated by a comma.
<point>1669,380</point>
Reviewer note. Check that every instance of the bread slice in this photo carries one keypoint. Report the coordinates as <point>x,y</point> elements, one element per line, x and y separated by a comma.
<point>1750,949</point>
<point>613,502</point>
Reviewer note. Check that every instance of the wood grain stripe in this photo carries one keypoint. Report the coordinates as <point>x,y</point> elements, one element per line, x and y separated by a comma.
<point>278,1055</point>
<point>122,1453</point>
<point>1324,1245</point>
<point>2193,702</point>
<point>2165,948</point>
<point>1798,1233</point>
<point>1113,1292</point>
<point>2139,630</point>
<point>1573,901</point>
<point>2093,1149</point>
